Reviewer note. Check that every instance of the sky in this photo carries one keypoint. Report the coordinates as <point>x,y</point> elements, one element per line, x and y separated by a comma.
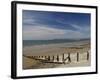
<point>43,25</point>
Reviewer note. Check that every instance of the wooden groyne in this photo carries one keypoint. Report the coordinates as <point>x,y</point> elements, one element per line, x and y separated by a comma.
<point>61,58</point>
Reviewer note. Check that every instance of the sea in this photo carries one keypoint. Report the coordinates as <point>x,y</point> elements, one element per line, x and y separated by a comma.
<point>54,41</point>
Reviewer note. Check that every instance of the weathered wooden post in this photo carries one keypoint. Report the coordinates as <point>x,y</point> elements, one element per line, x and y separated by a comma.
<point>63,57</point>
<point>77,56</point>
<point>58,58</point>
<point>49,58</point>
<point>87,55</point>
<point>69,59</point>
<point>45,57</point>
<point>53,58</point>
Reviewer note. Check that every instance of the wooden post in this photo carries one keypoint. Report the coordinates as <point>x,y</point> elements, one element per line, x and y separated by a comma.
<point>58,58</point>
<point>87,55</point>
<point>69,59</point>
<point>63,57</point>
<point>49,58</point>
<point>45,57</point>
<point>53,58</point>
<point>77,56</point>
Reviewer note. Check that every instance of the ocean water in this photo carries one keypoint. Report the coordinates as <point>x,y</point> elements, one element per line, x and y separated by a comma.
<point>45,42</point>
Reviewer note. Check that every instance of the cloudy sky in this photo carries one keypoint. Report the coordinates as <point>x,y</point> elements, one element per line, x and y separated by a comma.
<point>43,25</point>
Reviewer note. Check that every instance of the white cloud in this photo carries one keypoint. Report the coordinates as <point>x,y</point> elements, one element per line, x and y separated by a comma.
<point>41,32</point>
<point>28,20</point>
<point>77,27</point>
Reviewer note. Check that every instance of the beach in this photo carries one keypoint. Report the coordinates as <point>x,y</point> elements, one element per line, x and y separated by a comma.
<point>79,52</point>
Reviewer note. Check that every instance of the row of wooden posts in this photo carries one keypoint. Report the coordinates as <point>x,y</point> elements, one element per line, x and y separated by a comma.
<point>57,58</point>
